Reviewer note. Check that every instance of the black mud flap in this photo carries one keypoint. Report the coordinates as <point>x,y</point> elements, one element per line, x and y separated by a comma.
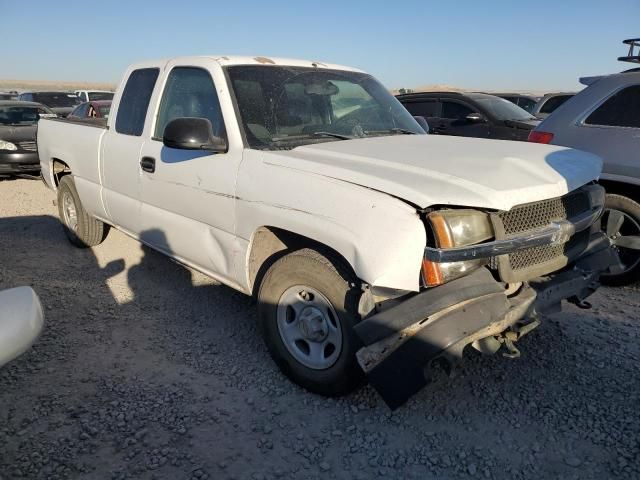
<point>398,367</point>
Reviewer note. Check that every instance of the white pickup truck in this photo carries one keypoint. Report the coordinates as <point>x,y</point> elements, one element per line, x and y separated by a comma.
<point>371,247</point>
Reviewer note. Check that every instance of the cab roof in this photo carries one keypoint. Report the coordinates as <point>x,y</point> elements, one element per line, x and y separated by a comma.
<point>232,60</point>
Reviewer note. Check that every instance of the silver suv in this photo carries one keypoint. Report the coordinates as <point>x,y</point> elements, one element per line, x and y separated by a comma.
<point>604,119</point>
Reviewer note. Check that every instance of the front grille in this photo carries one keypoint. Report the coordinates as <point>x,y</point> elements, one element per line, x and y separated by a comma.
<point>536,215</point>
<point>28,146</point>
<point>548,254</point>
<point>520,220</point>
<point>533,256</point>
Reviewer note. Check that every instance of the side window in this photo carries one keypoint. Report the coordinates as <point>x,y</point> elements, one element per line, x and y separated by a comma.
<point>554,102</point>
<point>620,110</point>
<point>189,92</point>
<point>527,104</point>
<point>455,110</point>
<point>424,108</point>
<point>135,101</point>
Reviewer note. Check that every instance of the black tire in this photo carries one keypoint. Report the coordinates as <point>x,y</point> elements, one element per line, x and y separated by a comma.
<point>335,281</point>
<point>87,231</point>
<point>631,209</point>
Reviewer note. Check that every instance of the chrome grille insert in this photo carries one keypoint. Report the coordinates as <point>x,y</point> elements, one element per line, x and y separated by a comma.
<point>520,220</point>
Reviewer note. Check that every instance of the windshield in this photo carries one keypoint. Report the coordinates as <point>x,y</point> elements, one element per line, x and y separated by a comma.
<point>104,110</point>
<point>100,95</point>
<point>503,109</point>
<point>57,99</point>
<point>18,115</point>
<point>285,107</point>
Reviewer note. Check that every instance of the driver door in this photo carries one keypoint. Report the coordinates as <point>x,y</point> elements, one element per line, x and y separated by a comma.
<point>188,196</point>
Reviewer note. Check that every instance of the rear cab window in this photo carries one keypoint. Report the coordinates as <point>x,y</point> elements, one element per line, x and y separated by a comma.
<point>134,102</point>
<point>620,110</point>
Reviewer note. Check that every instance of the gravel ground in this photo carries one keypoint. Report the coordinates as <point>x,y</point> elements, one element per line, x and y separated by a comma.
<point>149,370</point>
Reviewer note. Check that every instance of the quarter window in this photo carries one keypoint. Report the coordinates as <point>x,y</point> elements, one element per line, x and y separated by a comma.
<point>190,92</point>
<point>620,110</point>
<point>135,101</point>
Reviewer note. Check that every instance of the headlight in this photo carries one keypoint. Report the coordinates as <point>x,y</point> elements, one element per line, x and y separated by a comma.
<point>7,146</point>
<point>450,229</point>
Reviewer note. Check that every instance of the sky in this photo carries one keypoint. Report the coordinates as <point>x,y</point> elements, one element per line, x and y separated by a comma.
<point>499,45</point>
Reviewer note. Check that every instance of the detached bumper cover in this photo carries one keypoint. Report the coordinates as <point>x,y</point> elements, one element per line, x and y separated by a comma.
<point>402,342</point>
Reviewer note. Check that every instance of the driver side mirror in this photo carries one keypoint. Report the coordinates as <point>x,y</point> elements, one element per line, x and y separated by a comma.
<point>192,133</point>
<point>475,118</point>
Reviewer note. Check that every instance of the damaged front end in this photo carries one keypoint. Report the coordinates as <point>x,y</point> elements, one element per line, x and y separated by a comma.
<point>540,254</point>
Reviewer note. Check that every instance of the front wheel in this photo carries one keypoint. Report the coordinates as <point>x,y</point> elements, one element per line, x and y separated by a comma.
<point>81,229</point>
<point>621,223</point>
<point>308,304</point>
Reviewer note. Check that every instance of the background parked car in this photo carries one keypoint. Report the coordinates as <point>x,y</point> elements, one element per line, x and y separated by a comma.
<point>8,96</point>
<point>89,95</point>
<point>604,119</point>
<point>18,124</point>
<point>524,101</point>
<point>470,115</point>
<point>547,104</point>
<point>62,103</point>
<point>94,109</point>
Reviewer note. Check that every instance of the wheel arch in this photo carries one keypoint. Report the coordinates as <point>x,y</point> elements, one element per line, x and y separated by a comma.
<point>59,168</point>
<point>269,243</point>
<point>629,190</point>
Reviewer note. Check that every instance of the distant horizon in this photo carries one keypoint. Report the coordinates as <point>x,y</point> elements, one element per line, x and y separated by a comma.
<point>28,84</point>
<point>508,46</point>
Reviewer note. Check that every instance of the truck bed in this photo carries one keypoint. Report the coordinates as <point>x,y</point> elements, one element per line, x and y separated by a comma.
<point>91,122</point>
<point>74,142</point>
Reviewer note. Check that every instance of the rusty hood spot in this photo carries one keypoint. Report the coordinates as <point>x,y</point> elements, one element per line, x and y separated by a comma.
<point>264,60</point>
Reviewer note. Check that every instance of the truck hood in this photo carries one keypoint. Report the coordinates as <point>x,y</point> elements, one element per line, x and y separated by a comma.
<point>430,170</point>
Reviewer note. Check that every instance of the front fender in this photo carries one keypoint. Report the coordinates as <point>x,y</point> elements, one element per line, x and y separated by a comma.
<point>382,237</point>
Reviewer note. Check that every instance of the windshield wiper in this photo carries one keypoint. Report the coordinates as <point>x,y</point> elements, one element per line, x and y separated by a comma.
<point>402,131</point>
<point>331,134</point>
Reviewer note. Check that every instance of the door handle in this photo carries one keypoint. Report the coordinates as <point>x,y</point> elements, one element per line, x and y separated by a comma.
<point>148,164</point>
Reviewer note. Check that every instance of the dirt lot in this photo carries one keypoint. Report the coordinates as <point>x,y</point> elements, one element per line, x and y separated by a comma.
<point>149,370</point>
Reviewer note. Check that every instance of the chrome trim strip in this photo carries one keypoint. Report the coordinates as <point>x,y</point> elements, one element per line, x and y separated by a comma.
<point>554,234</point>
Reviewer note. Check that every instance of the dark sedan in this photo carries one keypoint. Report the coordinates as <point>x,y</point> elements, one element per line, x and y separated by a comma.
<point>470,115</point>
<point>62,103</point>
<point>18,123</point>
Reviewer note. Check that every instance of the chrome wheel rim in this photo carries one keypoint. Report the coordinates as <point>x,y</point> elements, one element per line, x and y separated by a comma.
<point>69,211</point>
<point>624,234</point>
<point>309,327</point>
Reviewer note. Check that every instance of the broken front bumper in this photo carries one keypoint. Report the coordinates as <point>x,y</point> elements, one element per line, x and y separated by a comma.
<point>402,341</point>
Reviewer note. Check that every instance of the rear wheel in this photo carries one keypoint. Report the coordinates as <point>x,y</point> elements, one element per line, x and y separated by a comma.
<point>621,223</point>
<point>308,305</point>
<point>81,229</point>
